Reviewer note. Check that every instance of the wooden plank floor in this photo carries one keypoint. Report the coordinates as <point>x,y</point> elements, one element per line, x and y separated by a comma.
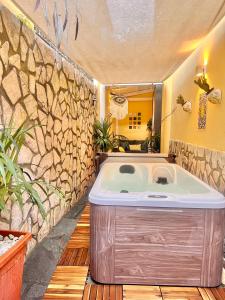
<point>70,279</point>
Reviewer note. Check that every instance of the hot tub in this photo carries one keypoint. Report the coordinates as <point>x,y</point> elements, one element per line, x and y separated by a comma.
<point>155,223</point>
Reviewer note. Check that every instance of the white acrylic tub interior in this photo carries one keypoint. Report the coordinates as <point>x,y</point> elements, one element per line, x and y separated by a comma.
<point>141,188</point>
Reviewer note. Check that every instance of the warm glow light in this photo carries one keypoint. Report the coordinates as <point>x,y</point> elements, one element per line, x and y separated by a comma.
<point>189,46</point>
<point>201,70</point>
<point>95,82</point>
<point>206,58</point>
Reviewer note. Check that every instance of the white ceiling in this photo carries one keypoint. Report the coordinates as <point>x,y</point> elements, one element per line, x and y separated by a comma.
<point>126,41</point>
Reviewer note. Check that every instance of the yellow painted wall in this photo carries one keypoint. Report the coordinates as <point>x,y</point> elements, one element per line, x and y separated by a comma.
<point>184,126</point>
<point>145,107</point>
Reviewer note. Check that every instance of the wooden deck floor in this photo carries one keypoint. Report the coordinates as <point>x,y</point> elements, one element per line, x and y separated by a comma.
<point>69,281</point>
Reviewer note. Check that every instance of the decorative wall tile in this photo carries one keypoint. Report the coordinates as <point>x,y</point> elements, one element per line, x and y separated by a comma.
<point>207,164</point>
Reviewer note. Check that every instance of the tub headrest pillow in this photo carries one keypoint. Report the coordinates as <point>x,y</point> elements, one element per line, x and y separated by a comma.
<point>127,169</point>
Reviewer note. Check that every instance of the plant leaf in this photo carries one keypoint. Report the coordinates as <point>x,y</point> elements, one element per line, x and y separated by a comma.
<point>37,4</point>
<point>66,15</point>
<point>76,28</point>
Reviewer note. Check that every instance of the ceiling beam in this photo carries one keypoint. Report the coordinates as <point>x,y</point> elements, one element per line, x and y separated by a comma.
<point>138,92</point>
<point>144,99</point>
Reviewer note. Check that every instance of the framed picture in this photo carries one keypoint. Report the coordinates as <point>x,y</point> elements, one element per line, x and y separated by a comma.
<point>134,120</point>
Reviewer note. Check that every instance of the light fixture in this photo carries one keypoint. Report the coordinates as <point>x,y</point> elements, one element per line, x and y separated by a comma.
<point>201,70</point>
<point>201,79</point>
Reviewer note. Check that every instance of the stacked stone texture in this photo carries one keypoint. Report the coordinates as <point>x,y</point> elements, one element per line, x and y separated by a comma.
<point>207,164</point>
<point>38,85</point>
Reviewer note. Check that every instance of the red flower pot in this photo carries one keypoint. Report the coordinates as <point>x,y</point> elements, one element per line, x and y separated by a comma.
<point>11,267</point>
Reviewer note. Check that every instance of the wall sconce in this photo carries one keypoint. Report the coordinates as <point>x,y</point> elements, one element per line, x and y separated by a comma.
<point>186,105</point>
<point>201,80</point>
<point>213,95</point>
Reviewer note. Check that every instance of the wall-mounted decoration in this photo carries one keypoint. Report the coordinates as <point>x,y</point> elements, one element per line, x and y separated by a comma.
<point>135,120</point>
<point>185,103</point>
<point>203,84</point>
<point>202,112</point>
<point>118,106</point>
<point>215,96</point>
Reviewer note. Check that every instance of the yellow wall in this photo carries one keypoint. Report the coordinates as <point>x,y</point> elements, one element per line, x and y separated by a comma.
<point>145,107</point>
<point>184,126</point>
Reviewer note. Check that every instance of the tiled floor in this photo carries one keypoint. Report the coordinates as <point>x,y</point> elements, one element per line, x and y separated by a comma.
<point>71,280</point>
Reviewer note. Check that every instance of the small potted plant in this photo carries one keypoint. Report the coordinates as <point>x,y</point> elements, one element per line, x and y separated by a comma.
<point>185,104</point>
<point>14,182</point>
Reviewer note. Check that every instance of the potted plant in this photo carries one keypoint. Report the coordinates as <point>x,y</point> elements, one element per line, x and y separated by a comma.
<point>14,182</point>
<point>103,137</point>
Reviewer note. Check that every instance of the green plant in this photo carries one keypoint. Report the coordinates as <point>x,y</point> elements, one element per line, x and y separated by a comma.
<point>149,125</point>
<point>14,181</point>
<point>102,135</point>
<point>155,142</point>
<point>180,100</point>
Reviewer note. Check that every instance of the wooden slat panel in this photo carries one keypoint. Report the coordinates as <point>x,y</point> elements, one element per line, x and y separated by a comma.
<point>177,226</point>
<point>103,292</point>
<point>218,293</point>
<point>203,294</point>
<point>152,265</point>
<point>139,292</point>
<point>78,241</point>
<point>166,243</point>
<point>102,246</point>
<point>67,282</point>
<point>186,218</point>
<point>75,257</point>
<point>212,259</point>
<point>180,293</point>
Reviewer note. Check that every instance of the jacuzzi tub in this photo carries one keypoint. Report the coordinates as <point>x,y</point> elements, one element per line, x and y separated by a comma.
<point>155,224</point>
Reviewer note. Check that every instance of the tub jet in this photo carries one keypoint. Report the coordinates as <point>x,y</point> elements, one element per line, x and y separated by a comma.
<point>127,169</point>
<point>162,180</point>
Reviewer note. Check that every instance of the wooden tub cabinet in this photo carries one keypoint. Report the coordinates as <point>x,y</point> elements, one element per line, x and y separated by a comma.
<point>157,246</point>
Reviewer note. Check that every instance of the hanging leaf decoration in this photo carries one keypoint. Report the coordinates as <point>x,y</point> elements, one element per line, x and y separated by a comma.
<point>60,31</point>
<point>45,7</point>
<point>55,21</point>
<point>37,4</point>
<point>76,28</point>
<point>58,26</point>
<point>66,15</point>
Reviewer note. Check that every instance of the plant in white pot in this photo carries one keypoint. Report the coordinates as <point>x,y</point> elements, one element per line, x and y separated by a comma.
<point>14,183</point>
<point>186,105</point>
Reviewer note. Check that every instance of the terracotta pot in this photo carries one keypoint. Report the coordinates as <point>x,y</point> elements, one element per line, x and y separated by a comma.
<point>11,267</point>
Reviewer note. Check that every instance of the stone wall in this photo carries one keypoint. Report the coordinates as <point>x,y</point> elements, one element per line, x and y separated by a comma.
<point>208,165</point>
<point>39,85</point>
